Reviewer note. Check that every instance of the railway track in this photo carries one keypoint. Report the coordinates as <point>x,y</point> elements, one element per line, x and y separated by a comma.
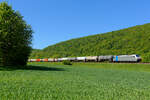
<point>129,63</point>
<point>113,62</point>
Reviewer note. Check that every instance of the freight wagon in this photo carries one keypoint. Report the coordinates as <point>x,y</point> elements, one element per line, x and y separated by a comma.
<point>51,60</point>
<point>92,58</point>
<point>105,58</point>
<point>72,59</point>
<point>81,59</point>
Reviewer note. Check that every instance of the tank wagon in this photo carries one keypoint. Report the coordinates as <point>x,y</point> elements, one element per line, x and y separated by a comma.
<point>44,60</point>
<point>72,59</point>
<point>55,59</point>
<point>81,59</point>
<point>60,59</point>
<point>91,59</point>
<point>110,58</point>
<point>31,60</point>
<point>51,60</point>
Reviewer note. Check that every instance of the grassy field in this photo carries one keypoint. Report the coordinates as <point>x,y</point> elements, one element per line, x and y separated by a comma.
<point>81,81</point>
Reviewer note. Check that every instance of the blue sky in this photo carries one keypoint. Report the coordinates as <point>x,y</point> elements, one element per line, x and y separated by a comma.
<point>54,21</point>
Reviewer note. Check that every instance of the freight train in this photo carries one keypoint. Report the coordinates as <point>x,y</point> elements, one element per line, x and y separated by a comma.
<point>110,58</point>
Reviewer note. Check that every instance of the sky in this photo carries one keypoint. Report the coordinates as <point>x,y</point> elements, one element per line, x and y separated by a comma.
<point>54,21</point>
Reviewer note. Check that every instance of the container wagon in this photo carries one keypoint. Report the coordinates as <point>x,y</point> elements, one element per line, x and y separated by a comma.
<point>105,58</point>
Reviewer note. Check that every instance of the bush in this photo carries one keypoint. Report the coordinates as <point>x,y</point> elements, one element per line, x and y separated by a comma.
<point>67,62</point>
<point>146,57</point>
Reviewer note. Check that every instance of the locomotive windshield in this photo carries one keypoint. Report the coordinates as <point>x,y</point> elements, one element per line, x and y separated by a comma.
<point>137,56</point>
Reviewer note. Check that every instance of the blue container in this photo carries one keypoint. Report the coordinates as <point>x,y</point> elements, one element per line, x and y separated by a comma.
<point>116,58</point>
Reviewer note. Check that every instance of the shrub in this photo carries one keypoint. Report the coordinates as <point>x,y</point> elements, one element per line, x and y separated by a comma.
<point>67,62</point>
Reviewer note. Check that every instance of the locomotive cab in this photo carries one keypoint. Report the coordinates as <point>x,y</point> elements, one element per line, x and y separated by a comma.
<point>127,58</point>
<point>138,58</point>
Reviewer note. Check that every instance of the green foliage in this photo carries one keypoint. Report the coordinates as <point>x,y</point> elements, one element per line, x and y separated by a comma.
<point>134,40</point>
<point>66,62</point>
<point>146,57</point>
<point>15,37</point>
<point>0,58</point>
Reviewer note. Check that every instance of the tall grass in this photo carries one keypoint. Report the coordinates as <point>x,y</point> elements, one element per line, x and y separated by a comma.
<point>90,81</point>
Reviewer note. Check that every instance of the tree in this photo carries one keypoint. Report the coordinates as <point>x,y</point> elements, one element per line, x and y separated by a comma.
<point>15,37</point>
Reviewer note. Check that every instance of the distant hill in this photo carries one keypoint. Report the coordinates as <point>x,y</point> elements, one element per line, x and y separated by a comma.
<point>133,40</point>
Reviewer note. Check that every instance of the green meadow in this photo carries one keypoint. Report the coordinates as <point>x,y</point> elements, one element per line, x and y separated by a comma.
<point>80,81</point>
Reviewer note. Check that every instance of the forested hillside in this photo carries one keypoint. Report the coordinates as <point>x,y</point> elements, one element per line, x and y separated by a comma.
<point>134,40</point>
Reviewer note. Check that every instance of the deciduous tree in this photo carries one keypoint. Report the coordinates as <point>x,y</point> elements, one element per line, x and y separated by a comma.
<point>15,37</point>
